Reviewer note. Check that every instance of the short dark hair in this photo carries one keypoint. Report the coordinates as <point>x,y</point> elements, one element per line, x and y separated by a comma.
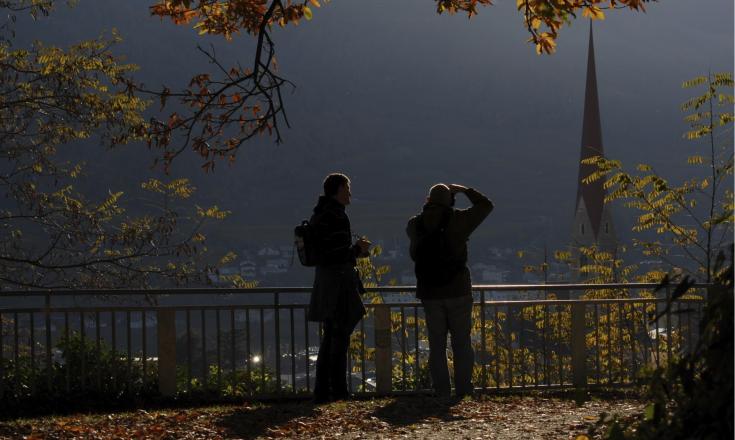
<point>333,182</point>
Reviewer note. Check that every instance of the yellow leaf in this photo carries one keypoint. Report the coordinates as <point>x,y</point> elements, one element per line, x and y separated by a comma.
<point>546,43</point>
<point>315,3</point>
<point>307,13</point>
<point>594,13</point>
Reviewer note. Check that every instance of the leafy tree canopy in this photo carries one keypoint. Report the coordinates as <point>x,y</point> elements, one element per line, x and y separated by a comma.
<point>51,234</point>
<point>239,103</point>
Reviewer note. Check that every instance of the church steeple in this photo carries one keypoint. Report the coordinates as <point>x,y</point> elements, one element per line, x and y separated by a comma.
<point>592,194</point>
<point>593,225</point>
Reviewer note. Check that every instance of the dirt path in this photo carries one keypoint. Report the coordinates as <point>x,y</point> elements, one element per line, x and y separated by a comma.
<point>506,417</point>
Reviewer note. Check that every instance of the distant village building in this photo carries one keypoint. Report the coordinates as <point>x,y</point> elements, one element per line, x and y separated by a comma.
<point>223,275</point>
<point>392,254</point>
<point>489,273</point>
<point>593,223</point>
<point>285,251</point>
<point>248,269</point>
<point>496,252</point>
<point>275,266</point>
<point>268,252</point>
<point>408,278</point>
<point>399,298</point>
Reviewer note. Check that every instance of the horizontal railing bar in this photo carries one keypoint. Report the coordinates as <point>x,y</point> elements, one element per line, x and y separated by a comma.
<point>307,289</point>
<point>154,308</point>
<point>604,286</point>
<point>551,302</point>
<point>540,302</point>
<point>157,292</point>
<point>548,302</point>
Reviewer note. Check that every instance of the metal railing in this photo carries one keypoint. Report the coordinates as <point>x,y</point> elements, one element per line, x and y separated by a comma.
<point>257,342</point>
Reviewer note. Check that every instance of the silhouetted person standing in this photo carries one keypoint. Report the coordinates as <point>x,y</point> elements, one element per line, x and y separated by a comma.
<point>335,298</point>
<point>439,249</point>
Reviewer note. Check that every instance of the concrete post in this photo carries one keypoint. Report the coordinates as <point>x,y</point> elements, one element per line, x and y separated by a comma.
<point>166,352</point>
<point>383,355</point>
<point>579,346</point>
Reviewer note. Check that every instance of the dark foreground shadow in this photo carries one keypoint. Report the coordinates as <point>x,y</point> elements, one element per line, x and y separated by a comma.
<point>404,411</point>
<point>250,422</point>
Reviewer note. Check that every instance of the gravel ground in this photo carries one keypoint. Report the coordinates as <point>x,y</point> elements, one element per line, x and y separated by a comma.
<point>485,417</point>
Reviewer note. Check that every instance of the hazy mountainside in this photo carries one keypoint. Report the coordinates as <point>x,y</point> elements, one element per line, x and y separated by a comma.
<point>400,98</point>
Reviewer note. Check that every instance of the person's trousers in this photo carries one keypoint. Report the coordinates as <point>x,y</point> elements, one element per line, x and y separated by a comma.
<point>331,363</point>
<point>453,316</point>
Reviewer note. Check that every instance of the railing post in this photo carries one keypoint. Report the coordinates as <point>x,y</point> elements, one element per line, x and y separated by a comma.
<point>49,362</point>
<point>166,319</point>
<point>383,355</point>
<point>669,336</point>
<point>579,349</point>
<point>277,312</point>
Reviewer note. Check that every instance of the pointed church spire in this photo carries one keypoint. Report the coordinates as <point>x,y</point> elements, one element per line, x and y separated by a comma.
<point>592,194</point>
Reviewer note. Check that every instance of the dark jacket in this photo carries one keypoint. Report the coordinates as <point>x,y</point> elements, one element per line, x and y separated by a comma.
<point>462,222</point>
<point>337,285</point>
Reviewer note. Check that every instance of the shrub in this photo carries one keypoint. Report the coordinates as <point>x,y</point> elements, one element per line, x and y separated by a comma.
<point>692,398</point>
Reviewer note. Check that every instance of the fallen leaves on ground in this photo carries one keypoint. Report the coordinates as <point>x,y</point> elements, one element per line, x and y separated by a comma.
<point>485,417</point>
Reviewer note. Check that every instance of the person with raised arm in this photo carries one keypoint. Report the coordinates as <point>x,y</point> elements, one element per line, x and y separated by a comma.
<point>439,236</point>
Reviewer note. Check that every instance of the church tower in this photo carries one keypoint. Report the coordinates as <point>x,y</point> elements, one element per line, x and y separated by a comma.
<point>593,223</point>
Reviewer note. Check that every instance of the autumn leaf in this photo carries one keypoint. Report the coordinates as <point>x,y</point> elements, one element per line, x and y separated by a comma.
<point>593,12</point>
<point>307,13</point>
<point>545,44</point>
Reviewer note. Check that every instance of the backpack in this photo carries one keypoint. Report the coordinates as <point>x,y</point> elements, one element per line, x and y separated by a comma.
<point>435,265</point>
<point>305,242</point>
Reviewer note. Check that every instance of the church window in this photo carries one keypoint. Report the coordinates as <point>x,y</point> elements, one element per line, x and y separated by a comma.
<point>581,228</point>
<point>607,228</point>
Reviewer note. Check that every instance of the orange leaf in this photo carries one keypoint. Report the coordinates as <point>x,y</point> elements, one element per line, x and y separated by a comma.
<point>183,17</point>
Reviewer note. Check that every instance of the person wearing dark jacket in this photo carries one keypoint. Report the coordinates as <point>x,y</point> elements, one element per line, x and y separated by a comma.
<point>448,302</point>
<point>335,298</point>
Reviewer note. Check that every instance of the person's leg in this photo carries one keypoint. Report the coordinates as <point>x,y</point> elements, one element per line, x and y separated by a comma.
<point>321,383</point>
<point>460,327</point>
<point>436,325</point>
<point>338,362</point>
